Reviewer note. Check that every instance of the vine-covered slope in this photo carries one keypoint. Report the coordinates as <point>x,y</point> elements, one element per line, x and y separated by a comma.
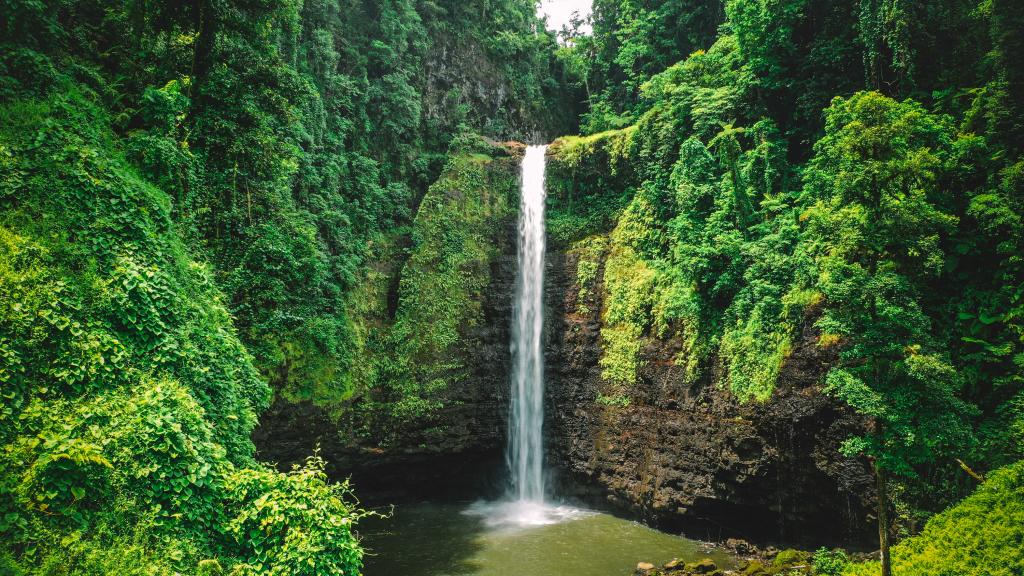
<point>432,315</point>
<point>188,196</point>
<point>980,535</point>
<point>417,356</point>
<point>128,397</point>
<point>853,168</point>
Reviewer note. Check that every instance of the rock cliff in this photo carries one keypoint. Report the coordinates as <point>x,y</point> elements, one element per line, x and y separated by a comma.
<point>679,456</point>
<point>428,341</point>
<point>691,456</point>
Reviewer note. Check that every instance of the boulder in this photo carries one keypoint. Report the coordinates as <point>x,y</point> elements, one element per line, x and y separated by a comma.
<point>674,565</point>
<point>792,559</point>
<point>740,546</point>
<point>644,567</point>
<point>754,568</point>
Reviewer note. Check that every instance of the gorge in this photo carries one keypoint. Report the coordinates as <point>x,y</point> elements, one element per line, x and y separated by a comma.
<point>290,288</point>
<point>685,457</point>
<point>528,530</point>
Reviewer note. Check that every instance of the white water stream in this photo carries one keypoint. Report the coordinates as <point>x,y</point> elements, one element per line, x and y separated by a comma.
<point>526,420</point>
<point>527,504</point>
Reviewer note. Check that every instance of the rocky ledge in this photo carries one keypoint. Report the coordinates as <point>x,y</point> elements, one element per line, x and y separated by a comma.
<point>788,562</point>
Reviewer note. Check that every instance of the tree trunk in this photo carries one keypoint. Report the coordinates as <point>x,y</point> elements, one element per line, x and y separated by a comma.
<point>883,519</point>
<point>206,28</point>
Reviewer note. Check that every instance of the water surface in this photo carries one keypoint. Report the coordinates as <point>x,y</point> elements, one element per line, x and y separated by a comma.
<point>431,539</point>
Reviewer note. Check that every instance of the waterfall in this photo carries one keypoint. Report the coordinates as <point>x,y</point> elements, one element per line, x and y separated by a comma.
<point>527,505</point>
<point>526,421</point>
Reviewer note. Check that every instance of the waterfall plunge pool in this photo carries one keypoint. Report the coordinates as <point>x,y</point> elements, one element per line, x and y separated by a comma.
<point>526,535</point>
<point>501,539</point>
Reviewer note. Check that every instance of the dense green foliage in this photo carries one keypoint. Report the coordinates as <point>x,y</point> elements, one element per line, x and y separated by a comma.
<point>830,562</point>
<point>413,355</point>
<point>852,167</point>
<point>189,194</point>
<point>203,204</point>
<point>127,395</point>
<point>634,40</point>
<point>981,535</point>
<point>289,134</point>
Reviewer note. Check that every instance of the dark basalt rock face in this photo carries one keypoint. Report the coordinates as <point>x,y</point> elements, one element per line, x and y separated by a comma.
<point>456,452</point>
<point>469,462</point>
<point>460,72</point>
<point>691,457</point>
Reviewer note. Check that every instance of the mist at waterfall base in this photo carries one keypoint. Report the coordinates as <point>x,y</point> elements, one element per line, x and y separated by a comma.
<point>527,532</point>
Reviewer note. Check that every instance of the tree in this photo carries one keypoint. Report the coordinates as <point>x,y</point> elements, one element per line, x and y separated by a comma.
<point>1006,22</point>
<point>637,38</point>
<point>803,53</point>
<point>875,230</point>
<point>729,150</point>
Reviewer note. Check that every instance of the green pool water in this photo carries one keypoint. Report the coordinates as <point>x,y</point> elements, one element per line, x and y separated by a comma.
<point>432,539</point>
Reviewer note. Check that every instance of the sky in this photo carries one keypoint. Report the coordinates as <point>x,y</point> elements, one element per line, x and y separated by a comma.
<point>559,11</point>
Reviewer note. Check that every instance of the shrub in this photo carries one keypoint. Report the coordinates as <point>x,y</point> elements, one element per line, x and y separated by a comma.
<point>294,524</point>
<point>830,562</point>
<point>980,536</point>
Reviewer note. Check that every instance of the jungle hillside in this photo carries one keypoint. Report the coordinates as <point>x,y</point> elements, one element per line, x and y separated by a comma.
<point>258,258</point>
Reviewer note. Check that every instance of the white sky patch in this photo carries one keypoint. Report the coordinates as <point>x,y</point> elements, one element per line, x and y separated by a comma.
<point>559,12</point>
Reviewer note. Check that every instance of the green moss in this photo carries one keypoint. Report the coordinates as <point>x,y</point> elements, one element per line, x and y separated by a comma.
<point>590,253</point>
<point>753,568</point>
<point>407,363</point>
<point>366,306</point>
<point>619,400</point>
<point>753,351</point>
<point>630,289</point>
<point>443,281</point>
<point>577,151</point>
<point>620,362</point>
<point>790,557</point>
<point>589,182</point>
<point>645,297</point>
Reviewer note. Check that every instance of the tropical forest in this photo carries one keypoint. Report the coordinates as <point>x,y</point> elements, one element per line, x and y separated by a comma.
<point>511,288</point>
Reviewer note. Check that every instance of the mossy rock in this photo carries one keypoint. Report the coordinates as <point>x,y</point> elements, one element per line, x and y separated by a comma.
<point>754,568</point>
<point>791,557</point>
<point>674,565</point>
<point>705,566</point>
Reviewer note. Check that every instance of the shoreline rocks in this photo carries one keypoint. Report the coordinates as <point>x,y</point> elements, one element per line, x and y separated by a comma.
<point>775,563</point>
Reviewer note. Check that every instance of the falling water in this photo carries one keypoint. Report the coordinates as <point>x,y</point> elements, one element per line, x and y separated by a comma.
<point>527,505</point>
<point>525,449</point>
